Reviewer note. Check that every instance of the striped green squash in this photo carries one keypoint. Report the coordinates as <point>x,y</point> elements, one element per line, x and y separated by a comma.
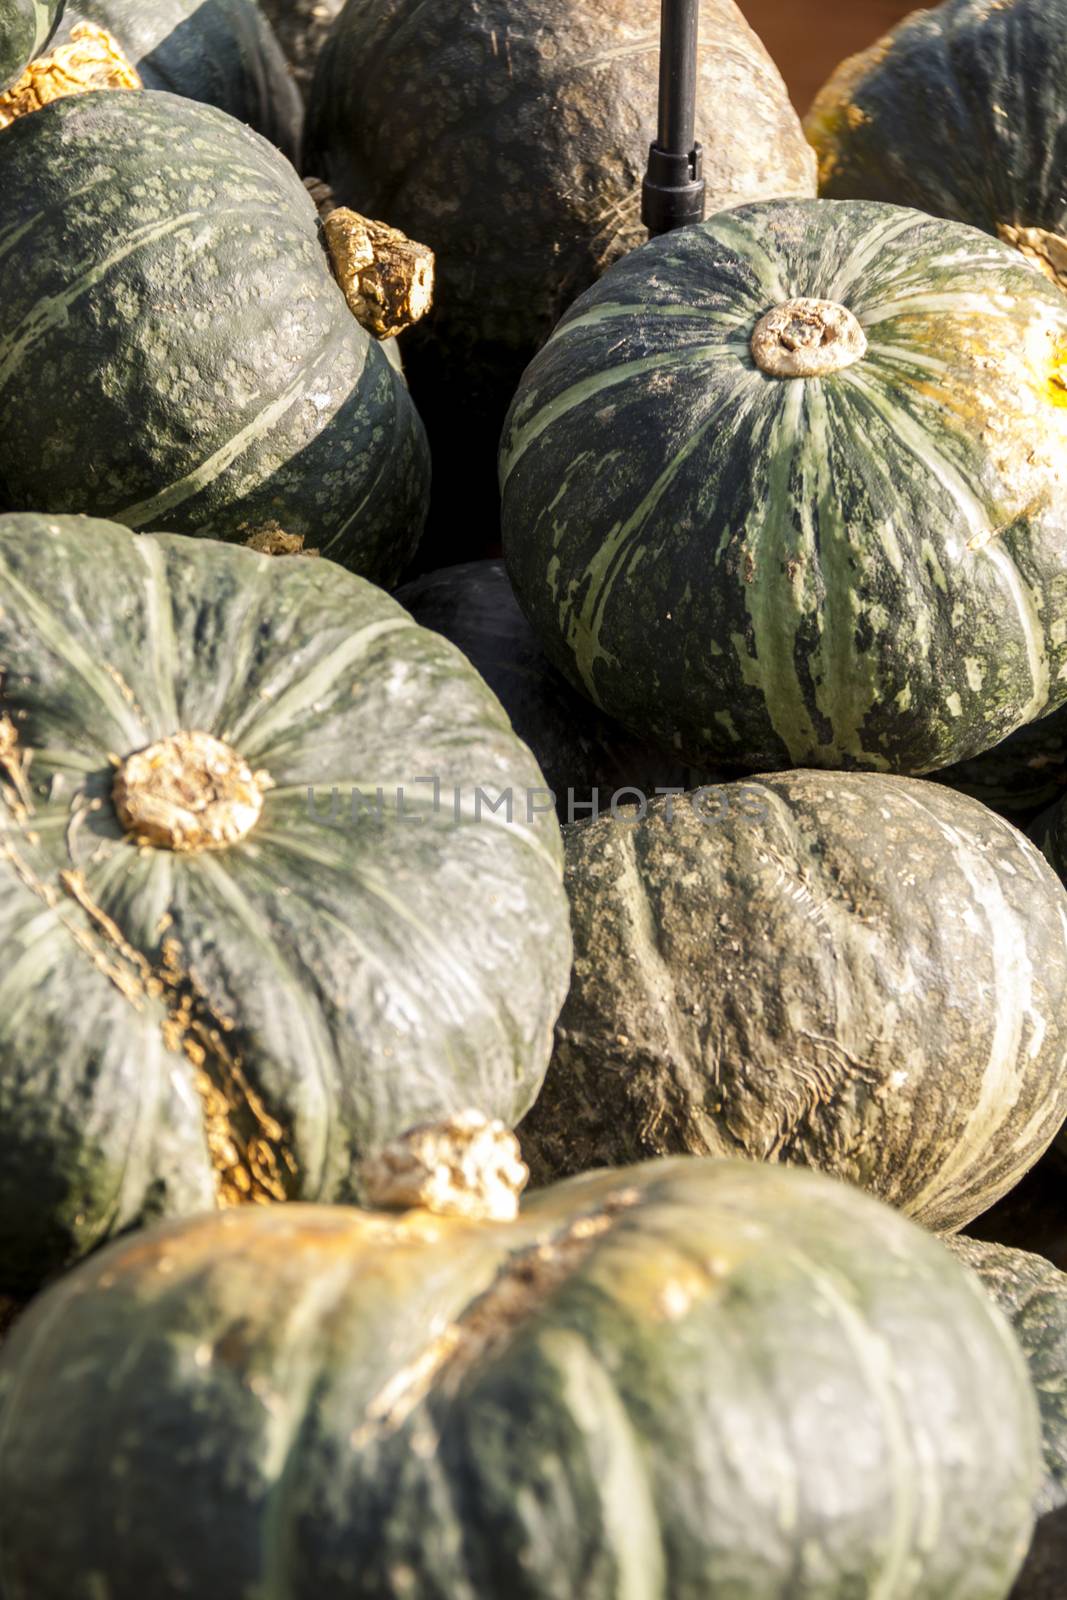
<point>25,28</point>
<point>1033,1295</point>
<point>233,1001</point>
<point>786,489</point>
<point>961,111</point>
<point>220,51</point>
<point>696,1379</point>
<point>858,973</point>
<point>174,350</point>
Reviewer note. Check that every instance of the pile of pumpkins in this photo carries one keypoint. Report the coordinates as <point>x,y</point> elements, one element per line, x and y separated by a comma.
<point>701,860</point>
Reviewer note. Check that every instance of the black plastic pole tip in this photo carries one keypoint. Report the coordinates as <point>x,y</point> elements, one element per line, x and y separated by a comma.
<point>672,195</point>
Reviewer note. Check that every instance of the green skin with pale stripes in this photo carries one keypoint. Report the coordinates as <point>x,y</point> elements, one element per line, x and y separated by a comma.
<point>867,569</point>
<point>960,111</point>
<point>862,974</point>
<point>175,353</point>
<point>691,1380</point>
<point>377,972</point>
<point>222,52</point>
<point>1032,1294</point>
<point>25,28</point>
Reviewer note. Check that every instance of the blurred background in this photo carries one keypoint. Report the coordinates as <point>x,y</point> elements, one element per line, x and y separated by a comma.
<point>807,38</point>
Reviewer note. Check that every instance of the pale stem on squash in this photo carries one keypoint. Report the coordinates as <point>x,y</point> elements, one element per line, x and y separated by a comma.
<point>91,60</point>
<point>188,792</point>
<point>807,338</point>
<point>387,278</point>
<point>467,1165</point>
<point>1047,251</point>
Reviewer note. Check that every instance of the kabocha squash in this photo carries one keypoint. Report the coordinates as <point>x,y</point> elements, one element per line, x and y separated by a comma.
<point>1033,1295</point>
<point>422,1405</point>
<point>301,27</point>
<point>25,28</point>
<point>1020,776</point>
<point>222,52</point>
<point>174,351</point>
<point>961,111</point>
<point>577,749</point>
<point>511,137</point>
<point>230,964</point>
<point>862,974</point>
<point>786,488</point>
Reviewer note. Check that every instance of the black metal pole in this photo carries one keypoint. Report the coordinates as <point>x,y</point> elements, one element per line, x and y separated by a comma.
<point>673,191</point>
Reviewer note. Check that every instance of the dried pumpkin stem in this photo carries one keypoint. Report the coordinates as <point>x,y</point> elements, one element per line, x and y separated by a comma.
<point>92,59</point>
<point>188,792</point>
<point>465,1166</point>
<point>386,277</point>
<point>807,338</point>
<point>1047,251</point>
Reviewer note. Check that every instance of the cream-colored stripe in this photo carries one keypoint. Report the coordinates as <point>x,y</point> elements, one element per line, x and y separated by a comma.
<point>1012,981</point>
<point>254,728</point>
<point>75,659</point>
<point>588,388</point>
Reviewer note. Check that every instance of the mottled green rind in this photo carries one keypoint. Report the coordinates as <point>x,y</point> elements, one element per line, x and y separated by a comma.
<point>960,111</point>
<point>25,28</point>
<point>174,351</point>
<point>301,27</point>
<point>1023,774</point>
<point>577,748</point>
<point>378,971</point>
<point>511,136</point>
<point>1033,1296</point>
<point>862,974</point>
<point>701,1380</point>
<point>863,570</point>
<point>222,52</point>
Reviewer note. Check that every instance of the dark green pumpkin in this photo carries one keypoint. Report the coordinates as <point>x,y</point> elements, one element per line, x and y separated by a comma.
<point>220,51</point>
<point>341,970</point>
<point>174,351</point>
<point>961,111</point>
<point>688,1379</point>
<point>25,28</point>
<point>862,974</point>
<point>511,136</point>
<point>1022,775</point>
<point>865,568</point>
<point>301,27</point>
<point>578,750</point>
<point>1033,1296</point>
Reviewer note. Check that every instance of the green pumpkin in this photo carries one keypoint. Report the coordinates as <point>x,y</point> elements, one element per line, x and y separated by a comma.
<point>202,1002</point>
<point>511,136</point>
<point>1020,776</point>
<point>302,27</point>
<point>174,350</point>
<point>691,1378</point>
<point>785,489</point>
<point>862,974</point>
<point>587,760</point>
<point>960,111</point>
<point>220,51</point>
<point>25,28</point>
<point>1033,1296</point>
